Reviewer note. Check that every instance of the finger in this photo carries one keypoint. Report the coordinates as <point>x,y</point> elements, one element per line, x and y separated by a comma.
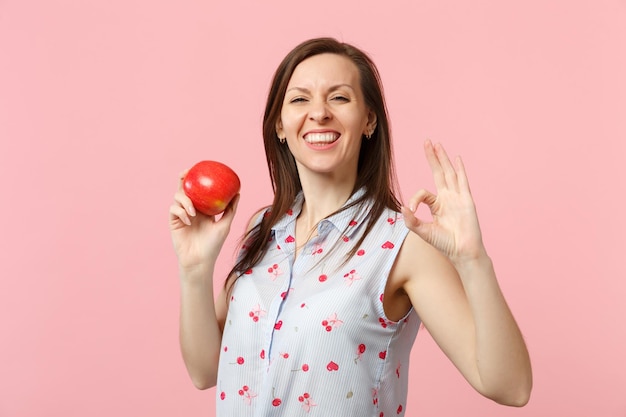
<point>409,217</point>
<point>462,175</point>
<point>448,170</point>
<point>177,212</point>
<point>435,165</point>
<point>181,198</point>
<point>181,177</point>
<point>414,224</point>
<point>422,196</point>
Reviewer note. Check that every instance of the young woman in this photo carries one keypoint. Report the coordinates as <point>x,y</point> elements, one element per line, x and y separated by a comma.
<point>320,312</point>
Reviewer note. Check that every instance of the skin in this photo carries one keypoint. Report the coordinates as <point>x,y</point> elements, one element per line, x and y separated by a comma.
<point>442,269</point>
<point>324,94</point>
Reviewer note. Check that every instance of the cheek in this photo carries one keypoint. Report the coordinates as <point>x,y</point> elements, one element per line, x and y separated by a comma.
<point>356,119</point>
<point>291,121</point>
<point>358,125</point>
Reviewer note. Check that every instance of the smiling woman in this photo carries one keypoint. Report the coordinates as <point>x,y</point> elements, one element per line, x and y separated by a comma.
<point>324,118</point>
<point>335,276</point>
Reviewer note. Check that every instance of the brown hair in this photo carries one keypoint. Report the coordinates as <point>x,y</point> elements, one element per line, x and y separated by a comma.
<point>375,174</point>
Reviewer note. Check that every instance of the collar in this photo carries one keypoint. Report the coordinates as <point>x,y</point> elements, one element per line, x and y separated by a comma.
<point>345,221</point>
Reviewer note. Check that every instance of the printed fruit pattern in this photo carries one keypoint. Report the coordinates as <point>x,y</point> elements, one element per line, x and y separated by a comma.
<point>303,313</point>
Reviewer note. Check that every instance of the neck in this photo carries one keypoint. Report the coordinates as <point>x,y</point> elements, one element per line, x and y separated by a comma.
<point>322,197</point>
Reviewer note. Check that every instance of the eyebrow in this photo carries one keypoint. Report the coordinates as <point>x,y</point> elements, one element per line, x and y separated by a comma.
<point>333,88</point>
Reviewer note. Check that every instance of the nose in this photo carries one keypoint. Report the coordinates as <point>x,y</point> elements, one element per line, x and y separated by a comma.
<point>319,111</point>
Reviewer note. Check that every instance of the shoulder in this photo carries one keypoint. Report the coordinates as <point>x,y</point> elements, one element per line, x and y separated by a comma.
<point>256,218</point>
<point>419,262</point>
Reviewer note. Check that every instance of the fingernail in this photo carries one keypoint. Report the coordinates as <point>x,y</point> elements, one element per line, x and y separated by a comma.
<point>191,210</point>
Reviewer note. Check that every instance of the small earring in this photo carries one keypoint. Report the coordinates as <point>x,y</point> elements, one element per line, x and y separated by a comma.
<point>282,140</point>
<point>368,135</point>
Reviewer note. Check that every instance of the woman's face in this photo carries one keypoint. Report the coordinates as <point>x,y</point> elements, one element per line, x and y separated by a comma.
<point>324,116</point>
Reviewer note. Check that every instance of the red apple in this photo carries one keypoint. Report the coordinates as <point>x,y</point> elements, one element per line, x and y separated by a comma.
<point>211,186</point>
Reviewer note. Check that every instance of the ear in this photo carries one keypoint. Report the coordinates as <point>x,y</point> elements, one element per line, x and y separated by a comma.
<point>279,130</point>
<point>372,121</point>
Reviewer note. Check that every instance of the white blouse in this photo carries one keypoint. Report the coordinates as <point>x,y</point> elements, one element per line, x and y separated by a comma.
<point>310,337</point>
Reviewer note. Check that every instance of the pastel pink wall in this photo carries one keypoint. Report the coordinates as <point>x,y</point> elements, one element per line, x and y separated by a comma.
<point>103,103</point>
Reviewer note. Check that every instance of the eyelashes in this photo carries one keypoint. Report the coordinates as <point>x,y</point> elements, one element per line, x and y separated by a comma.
<point>335,98</point>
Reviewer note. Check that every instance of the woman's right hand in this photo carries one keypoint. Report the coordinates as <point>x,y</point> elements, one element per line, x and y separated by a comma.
<point>197,238</point>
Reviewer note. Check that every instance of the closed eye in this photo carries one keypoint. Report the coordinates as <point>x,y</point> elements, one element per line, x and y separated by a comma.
<point>341,98</point>
<point>297,100</point>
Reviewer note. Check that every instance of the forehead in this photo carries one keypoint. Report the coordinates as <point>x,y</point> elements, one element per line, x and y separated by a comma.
<point>325,70</point>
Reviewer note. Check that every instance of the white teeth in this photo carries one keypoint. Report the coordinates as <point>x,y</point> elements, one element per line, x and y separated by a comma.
<point>326,137</point>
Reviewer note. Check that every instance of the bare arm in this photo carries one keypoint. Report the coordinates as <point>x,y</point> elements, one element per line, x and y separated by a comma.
<point>451,282</point>
<point>201,323</point>
<point>197,240</point>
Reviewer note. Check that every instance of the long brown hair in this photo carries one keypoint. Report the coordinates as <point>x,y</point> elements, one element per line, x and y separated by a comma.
<point>375,174</point>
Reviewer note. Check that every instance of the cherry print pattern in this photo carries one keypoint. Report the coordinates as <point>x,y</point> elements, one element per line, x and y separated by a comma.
<point>248,335</point>
<point>274,271</point>
<point>307,401</point>
<point>256,313</point>
<point>332,322</point>
<point>350,277</point>
<point>384,322</point>
<point>360,350</point>
<point>317,249</point>
<point>394,219</point>
<point>303,368</point>
<point>247,394</point>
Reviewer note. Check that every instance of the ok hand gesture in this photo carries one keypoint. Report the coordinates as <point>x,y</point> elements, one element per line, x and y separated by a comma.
<point>454,229</point>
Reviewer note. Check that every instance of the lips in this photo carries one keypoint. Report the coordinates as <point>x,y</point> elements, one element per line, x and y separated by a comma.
<point>321,138</point>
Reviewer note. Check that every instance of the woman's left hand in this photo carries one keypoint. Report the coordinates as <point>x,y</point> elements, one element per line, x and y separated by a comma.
<point>454,229</point>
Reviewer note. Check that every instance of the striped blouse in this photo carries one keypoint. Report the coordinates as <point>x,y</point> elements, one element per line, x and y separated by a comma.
<point>309,336</point>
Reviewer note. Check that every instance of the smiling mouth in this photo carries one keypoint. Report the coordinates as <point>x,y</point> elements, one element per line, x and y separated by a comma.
<point>321,138</point>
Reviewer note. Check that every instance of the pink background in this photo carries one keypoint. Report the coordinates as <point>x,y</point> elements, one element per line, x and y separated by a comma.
<point>103,103</point>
